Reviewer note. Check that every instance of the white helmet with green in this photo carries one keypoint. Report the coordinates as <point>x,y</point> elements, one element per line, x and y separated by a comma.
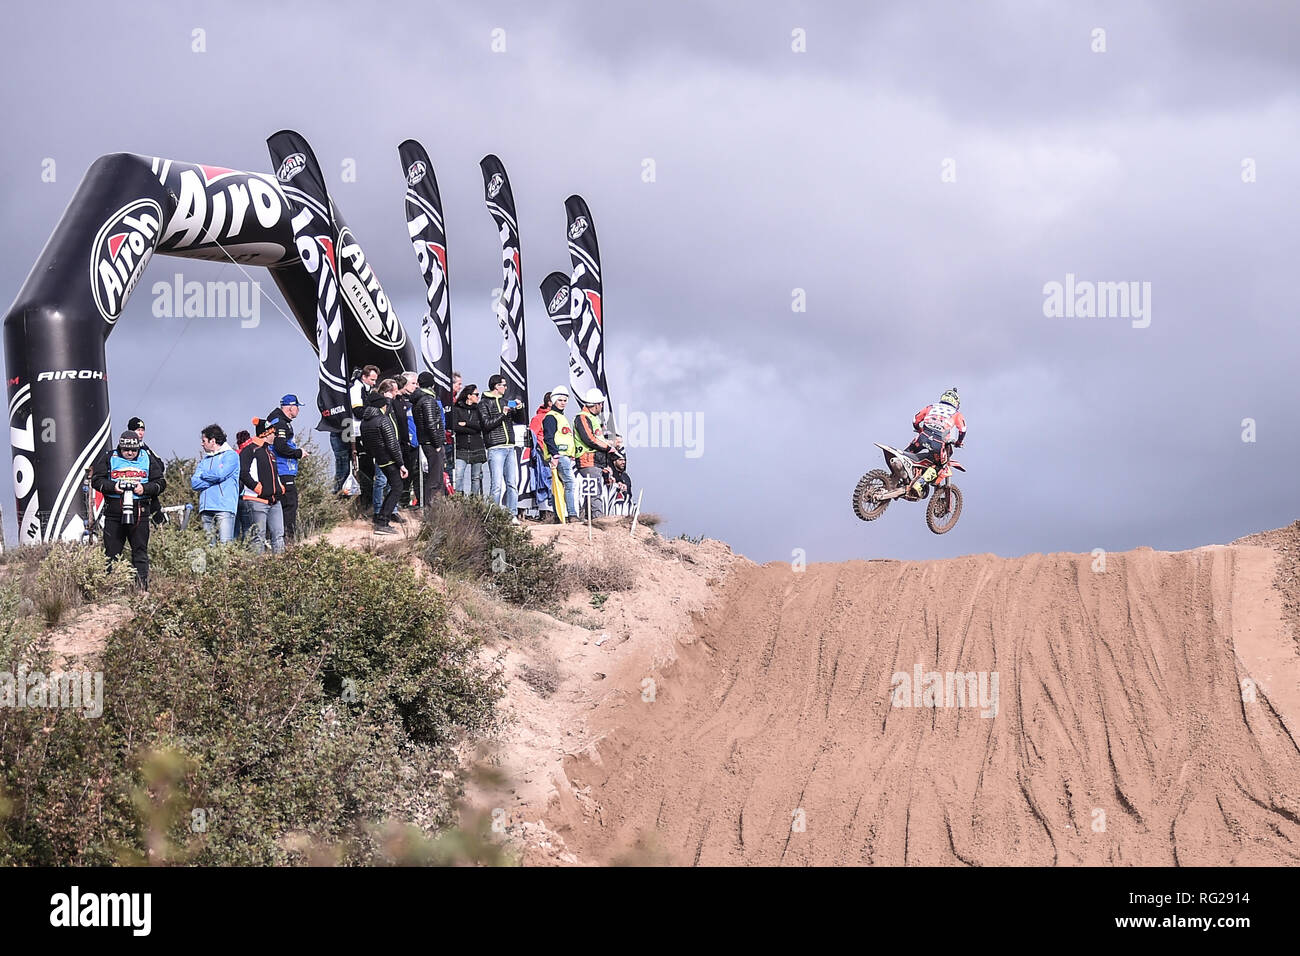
<point>951,397</point>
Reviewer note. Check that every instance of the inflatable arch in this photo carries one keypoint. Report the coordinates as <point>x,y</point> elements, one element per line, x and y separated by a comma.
<point>127,208</point>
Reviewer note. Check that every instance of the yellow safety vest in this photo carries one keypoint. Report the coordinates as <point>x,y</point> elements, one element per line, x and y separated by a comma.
<point>564,437</point>
<point>580,446</point>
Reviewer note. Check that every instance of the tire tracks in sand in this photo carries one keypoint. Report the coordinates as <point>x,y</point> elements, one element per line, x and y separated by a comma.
<point>1121,734</point>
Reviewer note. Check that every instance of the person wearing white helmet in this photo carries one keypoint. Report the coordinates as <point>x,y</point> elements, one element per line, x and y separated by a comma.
<point>938,427</point>
<point>557,446</point>
<point>591,449</point>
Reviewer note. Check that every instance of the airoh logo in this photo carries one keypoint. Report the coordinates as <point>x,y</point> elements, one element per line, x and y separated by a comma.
<point>494,185</point>
<point>415,172</point>
<point>578,228</point>
<point>61,374</point>
<point>558,300</point>
<point>293,164</point>
<point>366,297</point>
<point>120,252</point>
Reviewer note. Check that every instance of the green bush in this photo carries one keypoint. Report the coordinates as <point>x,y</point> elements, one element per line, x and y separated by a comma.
<point>319,508</point>
<point>180,555</point>
<point>470,536</point>
<point>17,629</point>
<point>300,703</point>
<point>177,473</point>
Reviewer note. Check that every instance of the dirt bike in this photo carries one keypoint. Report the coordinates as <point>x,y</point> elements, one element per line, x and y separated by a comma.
<point>879,487</point>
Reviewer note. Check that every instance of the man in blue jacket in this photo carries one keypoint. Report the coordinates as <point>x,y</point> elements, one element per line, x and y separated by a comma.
<point>287,455</point>
<point>216,479</point>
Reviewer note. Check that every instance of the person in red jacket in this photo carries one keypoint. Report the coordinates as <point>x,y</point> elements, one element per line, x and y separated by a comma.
<point>937,427</point>
<point>541,470</point>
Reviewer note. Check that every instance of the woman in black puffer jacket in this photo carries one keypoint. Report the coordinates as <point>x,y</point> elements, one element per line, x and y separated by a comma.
<point>471,452</point>
<point>379,435</point>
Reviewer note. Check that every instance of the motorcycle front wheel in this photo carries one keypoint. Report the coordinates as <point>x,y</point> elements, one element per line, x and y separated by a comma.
<point>944,509</point>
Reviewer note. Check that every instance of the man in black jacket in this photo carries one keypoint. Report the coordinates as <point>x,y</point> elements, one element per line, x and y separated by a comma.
<point>430,432</point>
<point>362,387</point>
<point>130,479</point>
<point>380,436</point>
<point>498,417</point>
<point>404,419</point>
<point>619,477</point>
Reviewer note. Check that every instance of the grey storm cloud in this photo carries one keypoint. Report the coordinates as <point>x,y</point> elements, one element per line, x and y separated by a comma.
<point>774,171</point>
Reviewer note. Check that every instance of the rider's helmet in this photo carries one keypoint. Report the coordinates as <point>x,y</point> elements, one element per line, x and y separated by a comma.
<point>951,397</point>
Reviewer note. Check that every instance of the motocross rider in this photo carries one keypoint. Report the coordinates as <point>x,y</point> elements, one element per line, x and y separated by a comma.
<point>936,426</point>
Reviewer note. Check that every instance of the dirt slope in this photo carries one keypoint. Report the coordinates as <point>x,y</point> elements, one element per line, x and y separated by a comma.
<point>1121,735</point>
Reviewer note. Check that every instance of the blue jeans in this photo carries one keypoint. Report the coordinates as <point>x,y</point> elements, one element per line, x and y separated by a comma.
<point>265,518</point>
<point>469,478</point>
<point>243,518</point>
<point>565,465</point>
<point>222,521</point>
<point>342,459</point>
<point>504,469</point>
<point>541,484</point>
<point>381,485</point>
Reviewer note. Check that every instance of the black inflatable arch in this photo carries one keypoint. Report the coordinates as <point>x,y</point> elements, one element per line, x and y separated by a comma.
<point>127,208</point>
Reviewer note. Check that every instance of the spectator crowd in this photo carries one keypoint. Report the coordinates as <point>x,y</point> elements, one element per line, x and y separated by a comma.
<point>402,447</point>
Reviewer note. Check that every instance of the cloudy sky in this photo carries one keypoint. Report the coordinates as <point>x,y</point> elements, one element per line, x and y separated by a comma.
<point>921,171</point>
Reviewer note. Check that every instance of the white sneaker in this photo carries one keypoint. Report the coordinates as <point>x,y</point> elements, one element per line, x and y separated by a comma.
<point>514,519</point>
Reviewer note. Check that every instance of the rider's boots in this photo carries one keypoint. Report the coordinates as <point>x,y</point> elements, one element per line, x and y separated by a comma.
<point>925,478</point>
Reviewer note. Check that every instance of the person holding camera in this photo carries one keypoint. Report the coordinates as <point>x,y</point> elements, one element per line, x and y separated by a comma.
<point>498,416</point>
<point>130,479</point>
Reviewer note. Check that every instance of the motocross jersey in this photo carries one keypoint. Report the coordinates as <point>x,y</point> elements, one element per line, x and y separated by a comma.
<point>942,421</point>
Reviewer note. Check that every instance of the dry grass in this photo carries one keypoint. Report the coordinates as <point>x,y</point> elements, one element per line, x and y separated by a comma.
<point>602,572</point>
<point>71,575</point>
<point>543,673</point>
<point>457,542</point>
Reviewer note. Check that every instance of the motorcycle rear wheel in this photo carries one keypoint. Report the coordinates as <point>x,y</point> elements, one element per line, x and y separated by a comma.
<point>864,505</point>
<point>944,509</point>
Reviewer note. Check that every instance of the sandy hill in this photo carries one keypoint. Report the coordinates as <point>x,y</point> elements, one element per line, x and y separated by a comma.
<point>979,710</point>
<point>1146,713</point>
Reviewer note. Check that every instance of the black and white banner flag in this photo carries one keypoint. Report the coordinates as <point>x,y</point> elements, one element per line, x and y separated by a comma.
<point>424,224</point>
<point>510,305</point>
<point>316,239</point>
<point>586,306</point>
